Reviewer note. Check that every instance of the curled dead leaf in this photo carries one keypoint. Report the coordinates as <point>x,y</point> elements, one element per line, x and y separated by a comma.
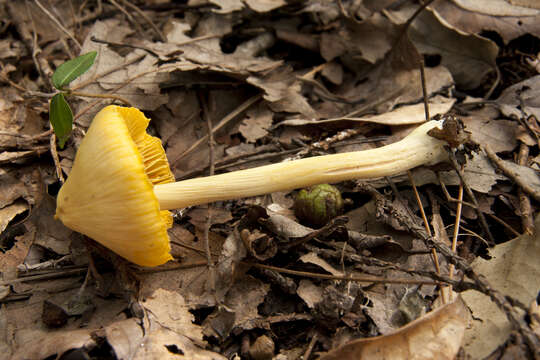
<point>437,335</point>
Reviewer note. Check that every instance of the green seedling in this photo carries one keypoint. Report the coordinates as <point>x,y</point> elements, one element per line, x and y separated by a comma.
<point>60,114</point>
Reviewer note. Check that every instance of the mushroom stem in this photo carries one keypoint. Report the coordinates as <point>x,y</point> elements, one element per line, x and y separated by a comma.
<point>417,148</point>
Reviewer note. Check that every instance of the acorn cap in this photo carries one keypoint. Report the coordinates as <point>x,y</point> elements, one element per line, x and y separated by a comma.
<point>109,193</point>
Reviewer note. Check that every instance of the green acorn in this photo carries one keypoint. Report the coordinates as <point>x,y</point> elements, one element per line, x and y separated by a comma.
<point>318,204</point>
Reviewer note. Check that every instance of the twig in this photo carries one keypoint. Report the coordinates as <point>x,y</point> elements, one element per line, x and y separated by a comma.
<point>240,109</point>
<point>313,340</point>
<point>480,214</point>
<point>434,256</point>
<point>100,96</point>
<point>370,279</point>
<point>107,72</point>
<point>111,43</point>
<point>48,276</point>
<point>127,82</point>
<point>482,285</point>
<point>510,173</point>
<point>148,20</point>
<point>495,83</point>
<point>210,136</point>
<point>127,14</point>
<point>424,90</point>
<point>455,236</point>
<point>57,23</point>
<point>56,160</point>
<point>505,224</point>
<point>461,285</point>
<point>31,42</point>
<point>524,201</point>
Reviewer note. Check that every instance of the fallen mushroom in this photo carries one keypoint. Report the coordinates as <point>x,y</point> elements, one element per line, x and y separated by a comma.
<point>120,185</point>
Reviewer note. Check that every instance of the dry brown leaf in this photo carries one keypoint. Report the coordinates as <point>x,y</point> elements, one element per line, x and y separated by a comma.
<point>244,297</point>
<point>262,6</point>
<point>526,92</point>
<point>125,337</point>
<point>44,344</point>
<point>495,8</point>
<point>170,311</point>
<point>370,39</point>
<point>509,27</point>
<point>515,271</point>
<point>32,18</point>
<point>312,258</point>
<point>228,6</point>
<point>436,335</point>
<point>256,123</point>
<point>533,4</point>
<point>51,234</point>
<point>500,135</point>
<point>480,175</point>
<point>403,115</point>
<point>309,292</point>
<point>143,93</point>
<point>282,90</point>
<point>9,212</point>
<point>468,57</point>
<point>16,255</point>
<point>11,188</point>
<point>162,343</point>
<point>130,341</point>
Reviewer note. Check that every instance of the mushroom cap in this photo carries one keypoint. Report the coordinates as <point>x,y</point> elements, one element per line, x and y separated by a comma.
<point>109,195</point>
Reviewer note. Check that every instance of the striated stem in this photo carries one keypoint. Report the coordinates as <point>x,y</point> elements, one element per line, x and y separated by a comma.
<point>417,148</point>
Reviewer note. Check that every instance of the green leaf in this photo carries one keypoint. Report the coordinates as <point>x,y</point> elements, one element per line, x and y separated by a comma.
<point>72,69</point>
<point>61,118</point>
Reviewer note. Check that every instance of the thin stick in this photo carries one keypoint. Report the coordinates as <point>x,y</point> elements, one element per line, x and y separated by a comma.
<point>371,279</point>
<point>211,265</point>
<point>56,160</point>
<point>111,43</point>
<point>105,73</point>
<point>101,96</point>
<point>240,109</point>
<point>424,89</point>
<point>495,83</point>
<point>525,210</point>
<point>34,46</point>
<point>434,256</point>
<point>127,14</point>
<point>57,23</point>
<point>148,20</point>
<point>470,193</point>
<point>53,275</point>
<point>505,224</point>
<point>510,173</point>
<point>313,340</point>
<point>127,82</point>
<point>455,236</point>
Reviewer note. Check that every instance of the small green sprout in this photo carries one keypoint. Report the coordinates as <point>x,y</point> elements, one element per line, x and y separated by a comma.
<point>60,114</point>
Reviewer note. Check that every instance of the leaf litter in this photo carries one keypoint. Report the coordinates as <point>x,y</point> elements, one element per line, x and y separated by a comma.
<point>279,81</point>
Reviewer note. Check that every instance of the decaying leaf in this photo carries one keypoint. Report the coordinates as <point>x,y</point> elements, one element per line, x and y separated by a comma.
<point>256,123</point>
<point>403,115</point>
<point>171,311</point>
<point>521,99</point>
<point>476,16</point>
<point>436,335</point>
<point>515,271</point>
<point>500,135</point>
<point>468,57</point>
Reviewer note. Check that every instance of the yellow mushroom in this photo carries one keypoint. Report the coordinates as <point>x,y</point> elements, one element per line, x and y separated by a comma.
<point>120,185</point>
